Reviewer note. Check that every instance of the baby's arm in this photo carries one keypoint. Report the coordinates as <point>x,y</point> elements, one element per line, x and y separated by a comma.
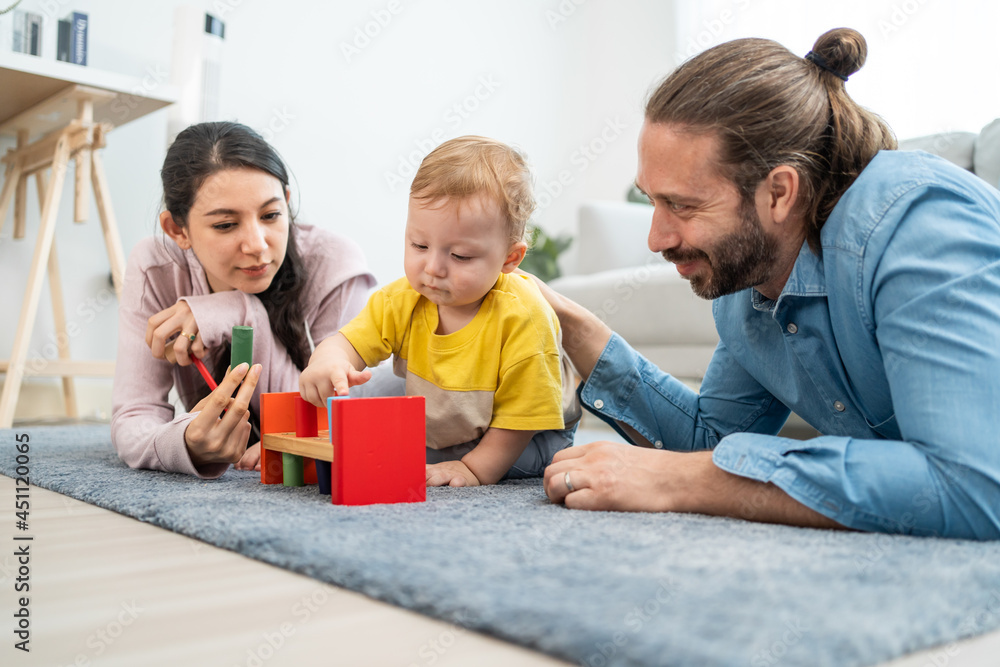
<point>333,368</point>
<point>486,464</point>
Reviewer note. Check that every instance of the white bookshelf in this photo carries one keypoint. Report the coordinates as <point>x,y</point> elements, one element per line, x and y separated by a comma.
<point>27,81</point>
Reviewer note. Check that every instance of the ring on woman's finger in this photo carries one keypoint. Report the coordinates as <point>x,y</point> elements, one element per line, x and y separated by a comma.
<point>569,484</point>
<point>190,337</point>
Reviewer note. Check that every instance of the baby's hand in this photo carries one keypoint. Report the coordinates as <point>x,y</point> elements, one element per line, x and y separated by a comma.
<point>450,473</point>
<point>319,381</point>
<point>333,369</point>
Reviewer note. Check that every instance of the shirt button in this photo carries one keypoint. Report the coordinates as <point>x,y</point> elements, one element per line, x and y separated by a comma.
<point>658,444</point>
<point>838,406</point>
<point>792,328</point>
<point>598,404</point>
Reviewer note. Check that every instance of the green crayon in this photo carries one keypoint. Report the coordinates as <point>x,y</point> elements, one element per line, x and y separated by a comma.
<point>242,347</point>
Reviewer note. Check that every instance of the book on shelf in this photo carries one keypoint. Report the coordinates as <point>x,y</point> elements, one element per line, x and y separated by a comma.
<point>27,33</point>
<point>17,32</point>
<point>78,37</point>
<point>22,32</point>
<point>64,41</point>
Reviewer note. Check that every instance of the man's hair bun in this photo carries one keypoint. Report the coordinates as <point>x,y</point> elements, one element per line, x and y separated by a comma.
<point>842,50</point>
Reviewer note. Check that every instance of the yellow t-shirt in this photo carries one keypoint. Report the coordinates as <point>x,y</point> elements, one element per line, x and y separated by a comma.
<point>501,370</point>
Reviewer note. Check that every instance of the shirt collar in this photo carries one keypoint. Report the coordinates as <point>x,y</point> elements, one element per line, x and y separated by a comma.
<point>806,279</point>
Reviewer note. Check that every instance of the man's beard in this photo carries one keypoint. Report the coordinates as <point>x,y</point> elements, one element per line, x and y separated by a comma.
<point>740,260</point>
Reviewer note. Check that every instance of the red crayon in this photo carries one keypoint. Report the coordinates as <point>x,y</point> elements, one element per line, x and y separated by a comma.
<point>204,373</point>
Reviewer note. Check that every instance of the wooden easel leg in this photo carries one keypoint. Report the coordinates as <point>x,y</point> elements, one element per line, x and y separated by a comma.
<point>11,177</point>
<point>21,198</point>
<point>102,197</point>
<point>58,307</point>
<point>81,176</point>
<point>26,322</point>
<point>62,337</point>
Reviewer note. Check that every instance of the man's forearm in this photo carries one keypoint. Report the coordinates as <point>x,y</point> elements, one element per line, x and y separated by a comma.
<point>584,335</point>
<point>711,490</point>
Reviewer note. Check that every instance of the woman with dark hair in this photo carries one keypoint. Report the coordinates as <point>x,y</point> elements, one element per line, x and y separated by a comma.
<point>232,255</point>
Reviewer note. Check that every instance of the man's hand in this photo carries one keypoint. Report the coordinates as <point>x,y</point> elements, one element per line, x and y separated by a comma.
<point>612,476</point>
<point>450,473</point>
<point>615,476</point>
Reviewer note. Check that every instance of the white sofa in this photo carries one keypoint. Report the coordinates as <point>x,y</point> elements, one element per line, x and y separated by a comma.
<point>977,152</point>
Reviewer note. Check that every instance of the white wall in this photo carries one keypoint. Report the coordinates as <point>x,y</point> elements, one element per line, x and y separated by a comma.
<point>932,66</point>
<point>353,114</point>
<point>554,77</point>
<point>563,74</point>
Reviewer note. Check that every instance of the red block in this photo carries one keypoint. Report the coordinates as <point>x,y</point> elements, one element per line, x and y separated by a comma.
<point>379,453</point>
<point>305,418</point>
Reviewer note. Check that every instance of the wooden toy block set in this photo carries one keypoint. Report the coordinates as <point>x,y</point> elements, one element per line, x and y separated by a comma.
<point>361,451</point>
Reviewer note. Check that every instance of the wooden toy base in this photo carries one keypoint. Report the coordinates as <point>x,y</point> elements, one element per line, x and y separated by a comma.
<point>316,447</point>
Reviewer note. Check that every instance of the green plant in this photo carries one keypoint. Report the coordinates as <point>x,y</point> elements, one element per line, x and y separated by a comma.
<point>543,253</point>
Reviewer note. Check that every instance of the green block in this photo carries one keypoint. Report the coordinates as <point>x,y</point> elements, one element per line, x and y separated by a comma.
<point>292,470</point>
<point>242,347</point>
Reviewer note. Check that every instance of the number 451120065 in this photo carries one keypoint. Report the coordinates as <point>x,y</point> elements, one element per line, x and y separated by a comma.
<point>22,471</point>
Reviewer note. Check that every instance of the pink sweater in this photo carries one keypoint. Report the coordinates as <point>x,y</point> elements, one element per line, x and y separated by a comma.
<point>144,429</point>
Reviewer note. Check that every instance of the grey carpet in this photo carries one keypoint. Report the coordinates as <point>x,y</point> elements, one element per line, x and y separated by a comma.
<point>592,587</point>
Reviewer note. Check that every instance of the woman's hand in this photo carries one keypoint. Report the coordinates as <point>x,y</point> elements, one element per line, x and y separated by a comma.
<point>251,459</point>
<point>213,437</point>
<point>177,320</point>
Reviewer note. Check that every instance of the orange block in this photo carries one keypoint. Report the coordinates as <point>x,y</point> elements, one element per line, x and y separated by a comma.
<point>277,415</point>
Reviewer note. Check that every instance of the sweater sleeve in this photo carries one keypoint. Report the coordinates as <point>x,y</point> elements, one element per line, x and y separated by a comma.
<point>217,313</point>
<point>144,429</point>
<point>338,281</point>
<point>340,306</point>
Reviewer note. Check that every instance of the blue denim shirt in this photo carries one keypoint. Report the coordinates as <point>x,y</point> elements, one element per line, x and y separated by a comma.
<point>888,344</point>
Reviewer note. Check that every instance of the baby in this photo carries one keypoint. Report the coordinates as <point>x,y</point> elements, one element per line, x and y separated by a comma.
<point>477,340</point>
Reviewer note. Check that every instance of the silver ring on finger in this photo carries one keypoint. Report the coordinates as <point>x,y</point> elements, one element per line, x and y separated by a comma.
<point>569,483</point>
